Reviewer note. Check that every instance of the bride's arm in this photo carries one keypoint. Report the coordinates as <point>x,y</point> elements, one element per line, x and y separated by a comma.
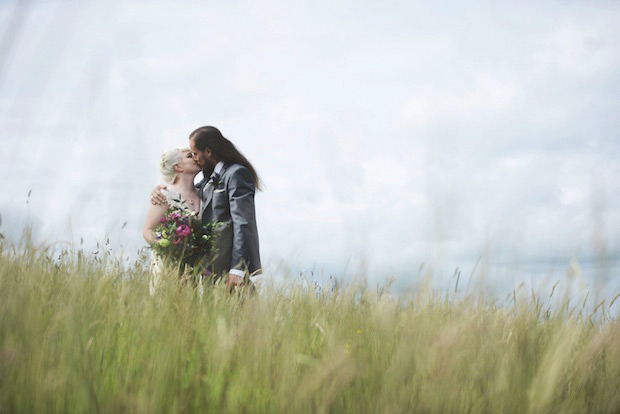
<point>153,215</point>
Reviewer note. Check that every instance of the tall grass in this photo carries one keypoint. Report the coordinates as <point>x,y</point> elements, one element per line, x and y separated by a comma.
<point>82,334</point>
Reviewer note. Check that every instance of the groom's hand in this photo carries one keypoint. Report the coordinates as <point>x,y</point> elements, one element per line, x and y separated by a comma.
<point>157,198</point>
<point>233,280</point>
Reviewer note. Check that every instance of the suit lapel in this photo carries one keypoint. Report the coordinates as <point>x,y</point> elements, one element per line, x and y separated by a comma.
<point>208,189</point>
<point>207,196</point>
<point>222,171</point>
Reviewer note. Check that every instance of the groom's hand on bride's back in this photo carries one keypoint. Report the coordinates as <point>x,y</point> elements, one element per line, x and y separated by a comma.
<point>157,197</point>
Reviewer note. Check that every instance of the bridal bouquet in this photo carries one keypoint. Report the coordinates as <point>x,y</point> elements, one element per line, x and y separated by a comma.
<point>184,239</point>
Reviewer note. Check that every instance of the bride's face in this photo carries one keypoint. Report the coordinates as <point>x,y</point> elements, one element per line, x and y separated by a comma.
<point>188,164</point>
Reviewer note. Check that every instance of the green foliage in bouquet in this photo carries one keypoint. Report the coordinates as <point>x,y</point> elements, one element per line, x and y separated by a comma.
<point>182,238</point>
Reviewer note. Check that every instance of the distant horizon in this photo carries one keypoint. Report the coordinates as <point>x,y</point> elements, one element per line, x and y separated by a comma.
<point>592,276</point>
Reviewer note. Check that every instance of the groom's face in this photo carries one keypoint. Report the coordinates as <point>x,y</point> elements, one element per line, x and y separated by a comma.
<point>199,156</point>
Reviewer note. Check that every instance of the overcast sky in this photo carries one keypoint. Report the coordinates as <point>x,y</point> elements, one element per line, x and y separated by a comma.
<point>387,133</point>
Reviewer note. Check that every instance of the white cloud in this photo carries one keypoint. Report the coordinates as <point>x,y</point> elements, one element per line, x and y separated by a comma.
<point>486,98</point>
<point>396,132</point>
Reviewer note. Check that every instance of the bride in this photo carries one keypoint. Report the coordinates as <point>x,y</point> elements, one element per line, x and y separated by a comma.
<point>178,170</point>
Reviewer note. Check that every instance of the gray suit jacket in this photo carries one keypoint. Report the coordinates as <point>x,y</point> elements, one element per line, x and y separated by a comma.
<point>230,201</point>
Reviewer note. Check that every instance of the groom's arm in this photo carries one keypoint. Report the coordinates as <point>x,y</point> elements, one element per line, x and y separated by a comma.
<point>241,191</point>
<point>157,197</point>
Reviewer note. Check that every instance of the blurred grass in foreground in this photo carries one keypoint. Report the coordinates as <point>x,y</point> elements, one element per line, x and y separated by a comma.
<point>80,334</point>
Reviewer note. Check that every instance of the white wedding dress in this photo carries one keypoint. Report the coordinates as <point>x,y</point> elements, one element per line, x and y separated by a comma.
<point>173,199</point>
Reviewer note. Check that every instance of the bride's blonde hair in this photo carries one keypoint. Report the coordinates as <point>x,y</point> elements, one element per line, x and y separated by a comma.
<point>168,160</point>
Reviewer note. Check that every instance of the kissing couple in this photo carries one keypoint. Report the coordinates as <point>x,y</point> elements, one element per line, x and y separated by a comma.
<point>223,199</point>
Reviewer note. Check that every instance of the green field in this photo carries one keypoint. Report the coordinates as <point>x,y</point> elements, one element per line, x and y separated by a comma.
<point>81,334</point>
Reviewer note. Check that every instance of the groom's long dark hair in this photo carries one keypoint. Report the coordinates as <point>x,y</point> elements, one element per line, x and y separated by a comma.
<point>223,149</point>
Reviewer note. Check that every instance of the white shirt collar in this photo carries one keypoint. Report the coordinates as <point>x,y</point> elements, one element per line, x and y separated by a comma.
<point>218,167</point>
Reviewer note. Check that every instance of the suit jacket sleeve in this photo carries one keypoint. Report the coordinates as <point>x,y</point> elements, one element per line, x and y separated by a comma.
<point>241,191</point>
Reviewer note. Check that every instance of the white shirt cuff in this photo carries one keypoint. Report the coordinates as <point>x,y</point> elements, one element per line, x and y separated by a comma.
<point>237,272</point>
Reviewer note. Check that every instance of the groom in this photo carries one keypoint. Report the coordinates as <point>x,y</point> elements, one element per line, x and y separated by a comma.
<point>227,194</point>
<point>228,198</point>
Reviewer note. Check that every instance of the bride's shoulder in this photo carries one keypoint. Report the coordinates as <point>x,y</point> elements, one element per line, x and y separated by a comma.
<point>171,195</point>
<point>167,191</point>
<point>175,199</point>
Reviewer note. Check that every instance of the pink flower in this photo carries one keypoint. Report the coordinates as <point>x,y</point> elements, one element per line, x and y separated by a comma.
<point>162,220</point>
<point>183,230</point>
